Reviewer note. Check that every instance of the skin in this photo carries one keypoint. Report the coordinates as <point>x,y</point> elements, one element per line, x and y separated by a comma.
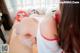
<point>15,45</point>
<point>29,25</point>
<point>48,28</point>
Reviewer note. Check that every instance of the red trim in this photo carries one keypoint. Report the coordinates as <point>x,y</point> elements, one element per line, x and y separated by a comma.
<point>53,39</point>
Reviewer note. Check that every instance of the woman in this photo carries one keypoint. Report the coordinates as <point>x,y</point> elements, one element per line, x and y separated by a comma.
<point>70,28</point>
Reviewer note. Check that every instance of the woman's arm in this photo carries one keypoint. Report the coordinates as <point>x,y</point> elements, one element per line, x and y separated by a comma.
<point>48,40</point>
<point>49,28</point>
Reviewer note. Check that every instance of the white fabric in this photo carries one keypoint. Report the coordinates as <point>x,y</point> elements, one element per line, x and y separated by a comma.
<point>45,46</point>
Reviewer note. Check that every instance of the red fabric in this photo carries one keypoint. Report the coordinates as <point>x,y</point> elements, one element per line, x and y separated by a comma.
<point>57,16</point>
<point>21,12</point>
<point>51,39</point>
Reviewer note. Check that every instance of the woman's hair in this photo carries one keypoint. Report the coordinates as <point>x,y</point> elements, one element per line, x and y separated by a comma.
<point>5,18</point>
<point>70,28</point>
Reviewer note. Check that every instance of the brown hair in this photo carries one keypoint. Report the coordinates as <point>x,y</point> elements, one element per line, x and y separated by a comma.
<point>70,28</point>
